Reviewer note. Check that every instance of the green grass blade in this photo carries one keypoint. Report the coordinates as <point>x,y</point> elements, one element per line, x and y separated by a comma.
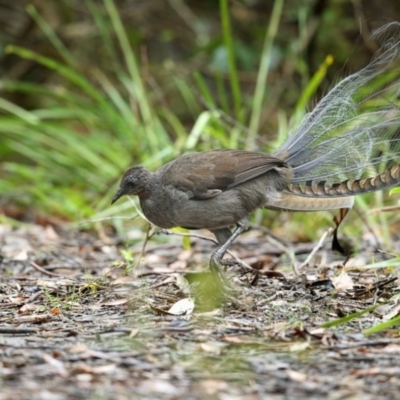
<point>350,317</point>
<point>263,71</point>
<point>19,112</point>
<point>204,90</point>
<point>313,85</point>
<point>51,35</point>
<point>103,26</point>
<point>130,60</point>
<point>228,42</point>
<point>382,326</point>
<point>72,76</point>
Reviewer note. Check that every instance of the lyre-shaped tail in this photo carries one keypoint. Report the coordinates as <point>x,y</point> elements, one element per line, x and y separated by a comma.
<point>350,142</point>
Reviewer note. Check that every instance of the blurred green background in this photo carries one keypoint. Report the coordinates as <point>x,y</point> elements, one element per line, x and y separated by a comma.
<point>90,88</point>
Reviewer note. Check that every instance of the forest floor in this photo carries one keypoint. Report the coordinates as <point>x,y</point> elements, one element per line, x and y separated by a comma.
<point>78,319</point>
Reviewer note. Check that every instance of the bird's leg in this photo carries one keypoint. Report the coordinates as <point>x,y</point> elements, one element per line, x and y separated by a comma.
<point>217,256</point>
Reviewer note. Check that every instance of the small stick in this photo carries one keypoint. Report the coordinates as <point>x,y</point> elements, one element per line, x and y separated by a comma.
<point>42,270</point>
<point>313,252</point>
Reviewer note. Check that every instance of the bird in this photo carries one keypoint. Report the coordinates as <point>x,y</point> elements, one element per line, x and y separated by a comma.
<point>348,145</point>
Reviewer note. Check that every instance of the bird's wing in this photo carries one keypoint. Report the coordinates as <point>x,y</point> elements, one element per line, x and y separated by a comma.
<point>208,173</point>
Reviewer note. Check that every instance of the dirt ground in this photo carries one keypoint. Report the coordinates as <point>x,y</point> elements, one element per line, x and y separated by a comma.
<point>79,320</point>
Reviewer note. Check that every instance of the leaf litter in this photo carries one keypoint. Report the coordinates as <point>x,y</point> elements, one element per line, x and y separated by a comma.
<point>77,321</point>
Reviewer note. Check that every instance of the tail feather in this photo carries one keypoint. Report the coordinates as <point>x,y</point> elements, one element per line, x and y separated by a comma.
<point>293,202</point>
<point>322,189</point>
<point>353,134</point>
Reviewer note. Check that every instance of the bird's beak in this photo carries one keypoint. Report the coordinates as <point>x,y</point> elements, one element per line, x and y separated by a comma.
<point>119,194</point>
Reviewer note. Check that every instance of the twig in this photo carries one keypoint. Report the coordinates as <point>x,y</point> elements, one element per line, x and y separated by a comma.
<point>365,221</point>
<point>267,231</point>
<point>146,240</point>
<point>283,247</point>
<point>34,297</point>
<point>17,331</point>
<point>313,252</point>
<point>194,235</point>
<point>42,270</point>
<point>383,209</point>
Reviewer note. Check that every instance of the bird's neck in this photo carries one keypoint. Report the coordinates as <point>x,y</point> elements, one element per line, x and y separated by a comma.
<point>149,185</point>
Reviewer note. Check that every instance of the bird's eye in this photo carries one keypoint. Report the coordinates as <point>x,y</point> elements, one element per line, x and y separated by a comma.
<point>131,185</point>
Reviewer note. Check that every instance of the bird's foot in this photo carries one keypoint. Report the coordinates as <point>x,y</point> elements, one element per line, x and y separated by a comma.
<point>216,264</point>
<point>217,261</point>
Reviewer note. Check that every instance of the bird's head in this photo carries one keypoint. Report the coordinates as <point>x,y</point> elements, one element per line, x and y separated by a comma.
<point>134,182</point>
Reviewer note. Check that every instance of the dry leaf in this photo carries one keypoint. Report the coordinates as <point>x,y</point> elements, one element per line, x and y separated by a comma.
<point>299,346</point>
<point>213,347</point>
<point>26,308</point>
<point>87,369</point>
<point>78,348</point>
<point>118,302</point>
<point>182,283</point>
<point>343,282</point>
<point>182,307</point>
<point>56,364</point>
<point>296,376</point>
<point>51,234</point>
